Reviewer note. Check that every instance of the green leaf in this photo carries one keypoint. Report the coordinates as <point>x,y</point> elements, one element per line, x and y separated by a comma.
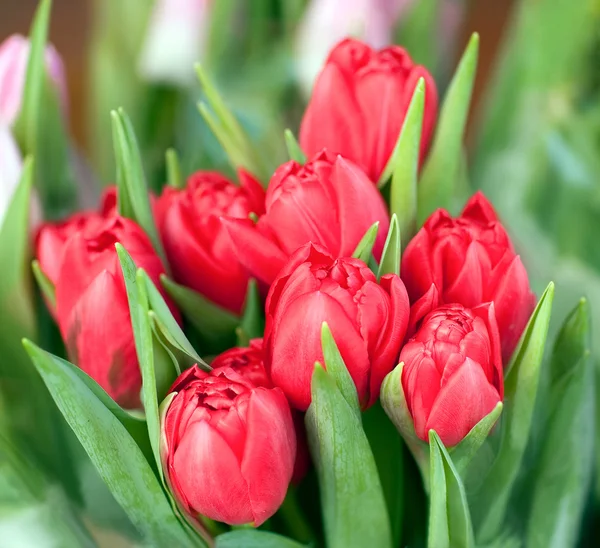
<point>254,539</point>
<point>40,127</point>
<point>44,283</point>
<point>168,324</point>
<point>354,510</point>
<point>463,453</point>
<point>337,370</point>
<point>227,129</point>
<point>113,451</point>
<point>142,333</point>
<point>390,258</point>
<point>563,471</point>
<point>174,175</point>
<point>364,248</point>
<point>15,292</point>
<point>449,518</point>
<point>441,170</point>
<point>520,389</point>
<point>215,324</point>
<point>252,324</point>
<point>405,166</point>
<point>133,196</point>
<point>294,151</point>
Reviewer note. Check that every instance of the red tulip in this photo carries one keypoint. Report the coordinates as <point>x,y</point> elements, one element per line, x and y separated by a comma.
<point>249,362</point>
<point>328,201</point>
<point>367,319</point>
<point>359,102</point>
<point>471,261</point>
<point>91,302</point>
<point>228,446</point>
<point>452,374</point>
<point>199,250</point>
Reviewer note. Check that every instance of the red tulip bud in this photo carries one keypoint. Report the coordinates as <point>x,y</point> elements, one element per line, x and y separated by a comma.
<point>199,250</point>
<point>359,102</point>
<point>471,261</point>
<point>328,201</point>
<point>228,446</point>
<point>368,321</point>
<point>452,374</point>
<point>92,310</point>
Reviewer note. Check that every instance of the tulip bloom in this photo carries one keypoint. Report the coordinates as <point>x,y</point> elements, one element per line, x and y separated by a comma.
<point>452,375</point>
<point>92,310</point>
<point>14,55</point>
<point>470,260</point>
<point>359,102</point>
<point>367,319</point>
<point>197,245</point>
<point>227,446</point>
<point>328,201</point>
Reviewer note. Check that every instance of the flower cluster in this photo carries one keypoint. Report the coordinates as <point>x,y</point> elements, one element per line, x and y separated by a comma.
<point>452,319</point>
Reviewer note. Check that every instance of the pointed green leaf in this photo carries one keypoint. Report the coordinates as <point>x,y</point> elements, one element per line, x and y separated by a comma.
<point>440,173</point>
<point>214,323</point>
<point>563,471</point>
<point>520,390</point>
<point>337,370</point>
<point>354,510</point>
<point>15,293</point>
<point>142,334</point>
<point>169,326</point>
<point>113,451</point>
<point>166,350</point>
<point>463,453</point>
<point>254,539</point>
<point>390,258</point>
<point>227,129</point>
<point>405,167</point>
<point>294,151</point>
<point>46,286</point>
<point>174,175</point>
<point>449,518</point>
<point>133,196</point>
<point>364,248</point>
<point>252,324</point>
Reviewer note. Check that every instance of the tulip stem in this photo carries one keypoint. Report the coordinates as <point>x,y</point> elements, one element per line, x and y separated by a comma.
<point>293,516</point>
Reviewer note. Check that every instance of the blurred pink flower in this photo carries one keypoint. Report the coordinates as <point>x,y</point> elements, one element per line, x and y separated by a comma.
<point>14,54</point>
<point>175,40</point>
<point>10,168</point>
<point>326,22</point>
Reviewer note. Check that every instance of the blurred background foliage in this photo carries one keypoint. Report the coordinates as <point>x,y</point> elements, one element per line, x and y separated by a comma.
<point>533,146</point>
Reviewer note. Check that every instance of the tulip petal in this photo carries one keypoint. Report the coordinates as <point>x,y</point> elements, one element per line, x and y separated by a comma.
<point>99,338</point>
<point>467,288</point>
<point>209,476</point>
<point>416,268</point>
<point>296,346</point>
<point>466,398</point>
<point>479,209</point>
<point>257,253</point>
<point>270,439</point>
<point>423,306</point>
<point>360,205</point>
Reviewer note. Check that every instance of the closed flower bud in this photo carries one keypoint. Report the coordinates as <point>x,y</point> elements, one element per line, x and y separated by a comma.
<point>328,201</point>
<point>452,375</point>
<point>367,319</point>
<point>227,446</point>
<point>470,260</point>
<point>14,55</point>
<point>197,245</point>
<point>359,102</point>
<point>92,310</point>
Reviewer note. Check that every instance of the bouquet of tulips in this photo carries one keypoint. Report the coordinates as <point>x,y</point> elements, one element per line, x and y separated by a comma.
<point>344,351</point>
